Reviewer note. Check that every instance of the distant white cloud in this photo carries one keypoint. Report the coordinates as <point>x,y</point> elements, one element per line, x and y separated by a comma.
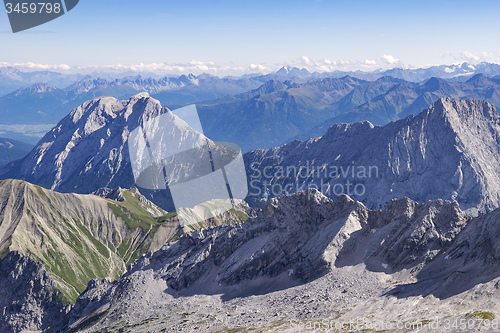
<point>198,67</point>
<point>389,59</point>
<point>473,57</point>
<point>29,66</point>
<point>470,56</point>
<point>331,65</point>
<point>259,68</point>
<point>486,54</point>
<point>323,65</point>
<point>193,66</point>
<point>306,60</point>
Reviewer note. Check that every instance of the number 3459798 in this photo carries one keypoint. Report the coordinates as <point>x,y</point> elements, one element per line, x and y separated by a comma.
<point>33,8</point>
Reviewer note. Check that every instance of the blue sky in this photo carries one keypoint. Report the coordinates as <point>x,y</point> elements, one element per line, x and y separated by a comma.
<point>240,35</point>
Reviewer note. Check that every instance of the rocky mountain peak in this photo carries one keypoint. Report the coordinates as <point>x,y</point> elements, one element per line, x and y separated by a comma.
<point>141,107</point>
<point>139,96</point>
<point>91,112</point>
<point>466,107</point>
<point>309,199</point>
<point>107,193</point>
<point>480,79</point>
<point>188,79</point>
<point>293,72</point>
<point>435,83</point>
<point>450,151</point>
<point>37,88</point>
<point>466,116</point>
<point>94,135</point>
<point>283,70</point>
<point>271,86</point>
<point>358,127</point>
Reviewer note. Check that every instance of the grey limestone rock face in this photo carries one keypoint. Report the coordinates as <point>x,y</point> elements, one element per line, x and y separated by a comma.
<point>88,149</point>
<point>306,251</point>
<point>29,300</point>
<point>472,259</point>
<point>450,151</point>
<point>107,193</point>
<point>304,236</point>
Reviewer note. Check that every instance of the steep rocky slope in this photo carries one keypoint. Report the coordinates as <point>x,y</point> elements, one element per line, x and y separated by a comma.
<point>88,149</point>
<point>305,258</point>
<point>307,234</point>
<point>449,151</point>
<point>53,244</point>
<point>29,298</point>
<point>474,258</point>
<point>77,237</point>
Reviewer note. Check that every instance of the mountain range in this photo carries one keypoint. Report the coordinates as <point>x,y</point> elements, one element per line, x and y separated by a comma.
<point>450,151</point>
<point>12,78</point>
<point>447,151</point>
<point>43,103</point>
<point>417,240</point>
<point>59,242</point>
<point>278,112</point>
<point>455,72</point>
<point>302,258</point>
<point>254,113</point>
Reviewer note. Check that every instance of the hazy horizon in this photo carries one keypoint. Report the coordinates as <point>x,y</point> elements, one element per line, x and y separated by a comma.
<point>178,70</point>
<point>230,38</point>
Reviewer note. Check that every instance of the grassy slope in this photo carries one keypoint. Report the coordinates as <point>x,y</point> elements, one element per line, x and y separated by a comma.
<point>82,237</point>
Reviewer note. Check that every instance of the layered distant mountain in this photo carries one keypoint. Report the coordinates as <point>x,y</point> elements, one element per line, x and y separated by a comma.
<point>449,151</point>
<point>12,79</point>
<point>43,103</point>
<point>273,113</point>
<point>11,150</point>
<point>168,90</point>
<point>261,111</point>
<point>456,72</point>
<point>278,112</point>
<point>40,103</point>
